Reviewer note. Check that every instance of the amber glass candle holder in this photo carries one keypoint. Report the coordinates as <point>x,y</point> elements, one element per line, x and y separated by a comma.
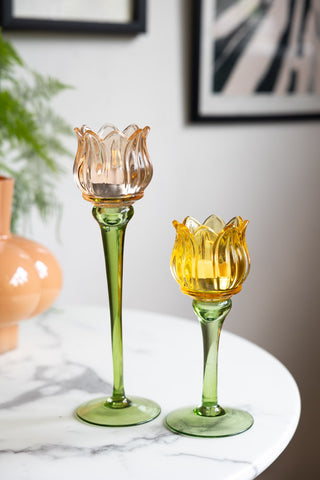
<point>112,170</point>
<point>210,261</point>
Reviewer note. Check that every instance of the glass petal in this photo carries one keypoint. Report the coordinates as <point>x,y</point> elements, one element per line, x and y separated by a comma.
<point>130,129</point>
<point>215,223</point>
<point>205,239</point>
<point>192,224</point>
<point>106,129</point>
<point>222,260</point>
<point>137,164</point>
<point>236,221</point>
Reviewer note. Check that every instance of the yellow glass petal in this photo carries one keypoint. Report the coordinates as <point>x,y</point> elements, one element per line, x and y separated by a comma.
<point>183,264</point>
<point>222,267</point>
<point>236,221</point>
<point>192,224</point>
<point>215,223</point>
<point>244,250</point>
<point>205,240</point>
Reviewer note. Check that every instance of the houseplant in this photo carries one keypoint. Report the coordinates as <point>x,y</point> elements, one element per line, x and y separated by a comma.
<point>31,133</point>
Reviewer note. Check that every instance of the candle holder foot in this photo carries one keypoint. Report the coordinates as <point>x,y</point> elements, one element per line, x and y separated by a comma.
<point>188,422</point>
<point>100,412</point>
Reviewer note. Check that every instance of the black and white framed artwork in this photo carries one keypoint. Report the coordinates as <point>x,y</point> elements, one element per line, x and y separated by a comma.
<point>74,16</point>
<point>256,60</point>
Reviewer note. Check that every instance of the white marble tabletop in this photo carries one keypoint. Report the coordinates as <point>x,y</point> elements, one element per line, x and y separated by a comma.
<point>64,359</point>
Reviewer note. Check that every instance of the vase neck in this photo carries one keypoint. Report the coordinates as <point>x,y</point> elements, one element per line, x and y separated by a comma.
<point>6,195</point>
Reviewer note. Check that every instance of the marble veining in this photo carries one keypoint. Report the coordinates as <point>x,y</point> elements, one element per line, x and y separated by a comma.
<point>56,451</point>
<point>51,384</point>
<point>64,359</point>
<point>221,459</point>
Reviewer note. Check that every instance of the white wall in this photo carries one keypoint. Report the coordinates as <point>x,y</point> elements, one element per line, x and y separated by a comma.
<point>269,174</point>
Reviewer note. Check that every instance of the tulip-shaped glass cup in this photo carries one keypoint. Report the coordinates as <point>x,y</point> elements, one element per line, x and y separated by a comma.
<point>112,169</point>
<point>210,262</point>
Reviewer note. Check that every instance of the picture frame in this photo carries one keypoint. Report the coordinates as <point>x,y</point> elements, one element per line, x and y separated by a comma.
<point>74,16</point>
<point>244,66</point>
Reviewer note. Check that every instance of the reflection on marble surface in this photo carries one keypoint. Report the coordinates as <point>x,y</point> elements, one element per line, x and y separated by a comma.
<point>64,359</point>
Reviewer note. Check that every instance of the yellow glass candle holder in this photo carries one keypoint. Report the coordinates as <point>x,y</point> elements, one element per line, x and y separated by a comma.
<point>210,262</point>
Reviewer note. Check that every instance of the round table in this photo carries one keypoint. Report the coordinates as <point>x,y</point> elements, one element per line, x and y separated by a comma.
<point>64,359</point>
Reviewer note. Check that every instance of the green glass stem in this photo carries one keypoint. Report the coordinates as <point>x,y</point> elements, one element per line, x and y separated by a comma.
<point>209,419</point>
<point>211,316</point>
<point>113,222</point>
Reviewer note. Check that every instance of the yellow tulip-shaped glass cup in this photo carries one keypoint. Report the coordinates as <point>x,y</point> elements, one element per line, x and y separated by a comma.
<point>210,261</point>
<point>112,170</point>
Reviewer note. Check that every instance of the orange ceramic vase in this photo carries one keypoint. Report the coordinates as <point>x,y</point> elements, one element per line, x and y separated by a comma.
<point>30,276</point>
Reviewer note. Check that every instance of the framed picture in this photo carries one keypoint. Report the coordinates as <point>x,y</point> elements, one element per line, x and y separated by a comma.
<point>256,60</point>
<point>94,16</point>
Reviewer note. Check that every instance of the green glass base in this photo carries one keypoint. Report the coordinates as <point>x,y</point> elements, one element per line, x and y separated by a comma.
<point>187,422</point>
<point>97,412</point>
